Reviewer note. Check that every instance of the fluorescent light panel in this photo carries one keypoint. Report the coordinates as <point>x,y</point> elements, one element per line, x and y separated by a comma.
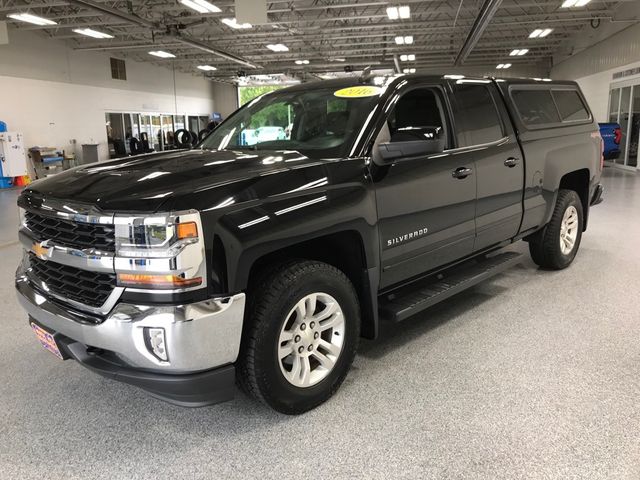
<point>27,17</point>
<point>409,70</point>
<point>302,62</point>
<point>207,68</point>
<point>161,54</point>
<point>277,47</point>
<point>233,23</point>
<point>407,58</point>
<point>519,52</point>
<point>92,33</point>
<point>406,40</point>
<point>503,66</point>
<point>574,3</point>
<point>201,6</point>
<point>394,13</point>
<point>540,32</point>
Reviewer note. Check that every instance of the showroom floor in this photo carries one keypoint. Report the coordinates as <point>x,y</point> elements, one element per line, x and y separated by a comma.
<point>535,374</point>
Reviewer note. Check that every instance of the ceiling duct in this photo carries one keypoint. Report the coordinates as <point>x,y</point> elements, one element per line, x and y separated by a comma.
<point>131,18</point>
<point>488,10</point>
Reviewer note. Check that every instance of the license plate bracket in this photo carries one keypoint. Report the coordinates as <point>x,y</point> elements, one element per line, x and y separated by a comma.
<point>48,340</point>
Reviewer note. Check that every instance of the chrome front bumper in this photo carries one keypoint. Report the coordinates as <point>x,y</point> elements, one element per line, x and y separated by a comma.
<point>199,336</point>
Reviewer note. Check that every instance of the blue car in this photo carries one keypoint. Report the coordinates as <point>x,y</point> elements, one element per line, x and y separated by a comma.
<point>611,135</point>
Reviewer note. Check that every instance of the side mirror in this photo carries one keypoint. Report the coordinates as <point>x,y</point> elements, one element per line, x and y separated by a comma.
<point>394,151</point>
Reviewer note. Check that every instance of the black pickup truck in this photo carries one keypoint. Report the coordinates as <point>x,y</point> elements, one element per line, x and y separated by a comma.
<point>306,218</point>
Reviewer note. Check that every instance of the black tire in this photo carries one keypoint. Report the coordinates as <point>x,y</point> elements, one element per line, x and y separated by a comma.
<point>202,134</point>
<point>270,302</point>
<point>194,138</point>
<point>182,138</point>
<point>545,246</point>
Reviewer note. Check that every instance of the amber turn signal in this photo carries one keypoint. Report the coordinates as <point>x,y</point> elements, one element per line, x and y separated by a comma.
<point>187,230</point>
<point>156,281</point>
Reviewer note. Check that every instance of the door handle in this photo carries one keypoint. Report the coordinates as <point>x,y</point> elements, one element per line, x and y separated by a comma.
<point>511,162</point>
<point>461,172</point>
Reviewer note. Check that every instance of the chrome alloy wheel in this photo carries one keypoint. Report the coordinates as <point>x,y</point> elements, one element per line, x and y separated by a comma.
<point>311,340</point>
<point>568,230</point>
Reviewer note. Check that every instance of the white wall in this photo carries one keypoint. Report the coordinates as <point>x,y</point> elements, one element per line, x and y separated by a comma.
<point>596,88</point>
<point>593,67</point>
<point>54,94</point>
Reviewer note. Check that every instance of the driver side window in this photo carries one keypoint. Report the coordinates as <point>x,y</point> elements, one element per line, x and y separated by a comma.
<point>418,115</point>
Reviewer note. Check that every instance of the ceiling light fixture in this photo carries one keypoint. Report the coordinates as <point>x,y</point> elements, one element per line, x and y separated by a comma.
<point>278,47</point>
<point>540,33</point>
<point>407,58</point>
<point>503,66</point>
<point>92,33</point>
<point>302,62</point>
<point>27,17</point>
<point>409,70</point>
<point>404,11</point>
<point>518,52</point>
<point>161,54</point>
<point>338,59</point>
<point>233,23</point>
<point>574,3</point>
<point>201,6</point>
<point>407,40</point>
<point>207,68</point>
<point>394,13</point>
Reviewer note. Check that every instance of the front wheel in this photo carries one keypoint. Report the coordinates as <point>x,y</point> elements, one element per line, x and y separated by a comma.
<point>303,327</point>
<point>556,245</point>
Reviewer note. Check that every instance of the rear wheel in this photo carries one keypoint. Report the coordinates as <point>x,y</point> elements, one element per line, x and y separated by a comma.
<point>303,327</point>
<point>557,244</point>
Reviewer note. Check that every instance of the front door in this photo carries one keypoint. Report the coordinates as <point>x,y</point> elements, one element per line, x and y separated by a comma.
<point>426,205</point>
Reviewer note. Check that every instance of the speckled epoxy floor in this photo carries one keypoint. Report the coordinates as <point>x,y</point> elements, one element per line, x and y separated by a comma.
<point>532,375</point>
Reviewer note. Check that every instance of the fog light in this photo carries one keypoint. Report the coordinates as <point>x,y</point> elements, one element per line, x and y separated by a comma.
<point>156,343</point>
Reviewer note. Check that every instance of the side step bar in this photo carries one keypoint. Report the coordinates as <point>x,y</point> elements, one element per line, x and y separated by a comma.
<point>411,299</point>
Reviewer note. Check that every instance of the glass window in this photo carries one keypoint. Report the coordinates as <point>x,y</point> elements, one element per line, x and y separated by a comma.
<point>634,135</point>
<point>570,105</point>
<point>535,107</point>
<point>477,120</point>
<point>614,105</point>
<point>623,120</point>
<point>417,115</point>
<point>306,120</point>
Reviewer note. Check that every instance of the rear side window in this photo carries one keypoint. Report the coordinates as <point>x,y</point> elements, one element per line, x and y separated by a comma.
<point>535,107</point>
<point>477,119</point>
<point>570,105</point>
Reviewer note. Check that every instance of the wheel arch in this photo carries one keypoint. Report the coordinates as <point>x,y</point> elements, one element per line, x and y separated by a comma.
<point>344,250</point>
<point>578,181</point>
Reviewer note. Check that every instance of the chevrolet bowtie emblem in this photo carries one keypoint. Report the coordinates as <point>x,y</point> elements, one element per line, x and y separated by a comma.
<point>40,250</point>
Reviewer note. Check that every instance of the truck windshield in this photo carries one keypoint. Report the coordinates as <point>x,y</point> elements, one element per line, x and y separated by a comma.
<point>315,122</point>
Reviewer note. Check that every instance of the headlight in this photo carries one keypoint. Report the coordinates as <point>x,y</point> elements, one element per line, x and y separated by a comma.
<point>163,251</point>
<point>154,237</point>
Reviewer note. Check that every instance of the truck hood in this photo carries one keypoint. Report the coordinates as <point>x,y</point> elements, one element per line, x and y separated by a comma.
<point>146,182</point>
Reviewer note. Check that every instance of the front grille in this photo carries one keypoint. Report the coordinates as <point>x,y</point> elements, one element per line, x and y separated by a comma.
<point>88,288</point>
<point>68,233</point>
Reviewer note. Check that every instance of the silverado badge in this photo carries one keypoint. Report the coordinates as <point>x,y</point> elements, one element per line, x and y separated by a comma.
<point>406,237</point>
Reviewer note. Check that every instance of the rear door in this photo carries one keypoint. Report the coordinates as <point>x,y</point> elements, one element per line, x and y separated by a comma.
<point>488,140</point>
<point>425,209</point>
